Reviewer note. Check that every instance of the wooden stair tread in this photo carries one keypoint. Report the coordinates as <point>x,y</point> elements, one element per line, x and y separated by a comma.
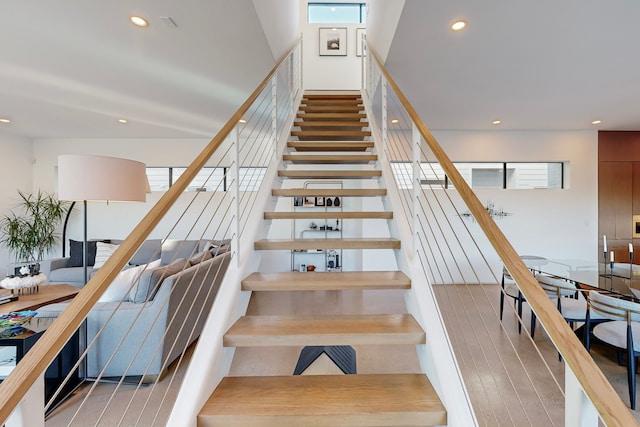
<point>315,281</point>
<point>328,192</point>
<point>329,123</point>
<point>330,174</point>
<point>331,108</point>
<point>324,401</point>
<point>329,158</point>
<point>328,243</point>
<point>332,116</point>
<point>330,145</point>
<point>329,215</point>
<point>332,96</point>
<point>318,101</point>
<point>344,329</point>
<point>309,133</point>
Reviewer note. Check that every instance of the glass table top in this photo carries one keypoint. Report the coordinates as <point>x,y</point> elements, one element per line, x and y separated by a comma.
<point>622,278</point>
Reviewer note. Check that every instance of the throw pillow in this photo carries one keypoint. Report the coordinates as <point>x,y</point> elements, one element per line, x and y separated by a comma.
<point>119,288</point>
<point>199,257</point>
<point>148,284</point>
<point>75,253</point>
<point>103,252</point>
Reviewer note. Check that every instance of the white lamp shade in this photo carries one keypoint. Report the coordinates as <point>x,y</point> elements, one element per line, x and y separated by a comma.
<point>100,178</point>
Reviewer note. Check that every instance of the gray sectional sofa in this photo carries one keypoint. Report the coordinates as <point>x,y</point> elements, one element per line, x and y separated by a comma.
<point>166,311</point>
<point>69,270</point>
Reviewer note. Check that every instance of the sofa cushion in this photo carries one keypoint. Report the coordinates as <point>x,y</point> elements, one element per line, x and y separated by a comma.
<point>70,275</point>
<point>146,286</point>
<point>148,251</point>
<point>120,287</point>
<point>103,252</point>
<point>175,249</point>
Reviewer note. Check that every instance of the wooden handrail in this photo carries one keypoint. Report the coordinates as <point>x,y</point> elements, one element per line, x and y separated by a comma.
<point>40,356</point>
<point>608,403</point>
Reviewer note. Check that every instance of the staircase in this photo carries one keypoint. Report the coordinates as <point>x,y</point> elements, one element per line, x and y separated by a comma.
<point>331,136</point>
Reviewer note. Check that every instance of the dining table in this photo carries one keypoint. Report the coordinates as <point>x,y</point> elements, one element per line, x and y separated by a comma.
<point>619,278</point>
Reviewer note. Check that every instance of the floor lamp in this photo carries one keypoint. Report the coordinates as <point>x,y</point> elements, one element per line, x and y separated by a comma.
<point>98,178</point>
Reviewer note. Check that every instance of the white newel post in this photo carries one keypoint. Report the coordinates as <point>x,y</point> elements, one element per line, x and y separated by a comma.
<point>578,409</point>
<point>30,410</point>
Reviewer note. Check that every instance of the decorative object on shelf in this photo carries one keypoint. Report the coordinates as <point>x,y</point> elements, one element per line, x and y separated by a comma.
<point>491,210</point>
<point>336,201</point>
<point>329,202</point>
<point>23,285</point>
<point>303,268</point>
<point>31,234</point>
<point>297,201</point>
<point>311,267</point>
<point>313,226</point>
<point>319,201</point>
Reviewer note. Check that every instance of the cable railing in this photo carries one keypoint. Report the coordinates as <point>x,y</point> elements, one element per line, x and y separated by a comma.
<point>455,256</point>
<point>135,350</point>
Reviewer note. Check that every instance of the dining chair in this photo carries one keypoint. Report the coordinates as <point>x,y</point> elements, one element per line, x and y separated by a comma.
<point>572,303</point>
<point>622,331</point>
<point>511,289</point>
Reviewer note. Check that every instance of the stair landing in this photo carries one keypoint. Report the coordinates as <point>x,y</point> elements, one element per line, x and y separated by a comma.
<point>324,400</point>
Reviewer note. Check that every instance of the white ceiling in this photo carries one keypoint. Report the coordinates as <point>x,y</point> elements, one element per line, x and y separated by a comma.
<point>71,68</point>
<point>536,65</point>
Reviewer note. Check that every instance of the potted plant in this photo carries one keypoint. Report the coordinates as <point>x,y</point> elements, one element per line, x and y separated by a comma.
<point>30,234</point>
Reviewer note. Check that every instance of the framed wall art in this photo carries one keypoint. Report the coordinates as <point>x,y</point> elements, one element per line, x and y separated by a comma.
<point>361,37</point>
<point>333,41</point>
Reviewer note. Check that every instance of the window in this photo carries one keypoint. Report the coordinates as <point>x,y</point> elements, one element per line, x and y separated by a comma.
<point>513,175</point>
<point>208,179</point>
<point>336,13</point>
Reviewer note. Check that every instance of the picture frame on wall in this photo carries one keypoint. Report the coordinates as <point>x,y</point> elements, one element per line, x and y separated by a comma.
<point>361,37</point>
<point>333,41</point>
<point>319,201</point>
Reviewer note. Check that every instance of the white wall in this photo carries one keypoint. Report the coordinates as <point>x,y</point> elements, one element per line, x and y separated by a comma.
<point>280,23</point>
<point>15,174</point>
<point>551,223</point>
<point>328,72</point>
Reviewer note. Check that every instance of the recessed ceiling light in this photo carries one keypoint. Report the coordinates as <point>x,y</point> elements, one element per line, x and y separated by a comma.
<point>139,21</point>
<point>496,122</point>
<point>394,121</point>
<point>123,121</point>
<point>5,121</point>
<point>596,122</point>
<point>458,25</point>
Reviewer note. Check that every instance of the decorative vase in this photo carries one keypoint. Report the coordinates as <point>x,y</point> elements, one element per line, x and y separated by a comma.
<point>336,202</point>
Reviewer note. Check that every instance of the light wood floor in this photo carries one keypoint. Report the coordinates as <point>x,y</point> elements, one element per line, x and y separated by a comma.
<point>502,393</point>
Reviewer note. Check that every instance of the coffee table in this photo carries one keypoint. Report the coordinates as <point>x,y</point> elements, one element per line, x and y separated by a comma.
<point>14,347</point>
<point>47,294</point>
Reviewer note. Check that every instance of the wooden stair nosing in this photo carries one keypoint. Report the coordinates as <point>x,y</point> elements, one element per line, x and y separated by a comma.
<point>329,174</point>
<point>329,243</point>
<point>344,329</point>
<point>324,401</point>
<point>330,215</point>
<point>315,281</point>
<point>329,192</point>
<point>330,159</point>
